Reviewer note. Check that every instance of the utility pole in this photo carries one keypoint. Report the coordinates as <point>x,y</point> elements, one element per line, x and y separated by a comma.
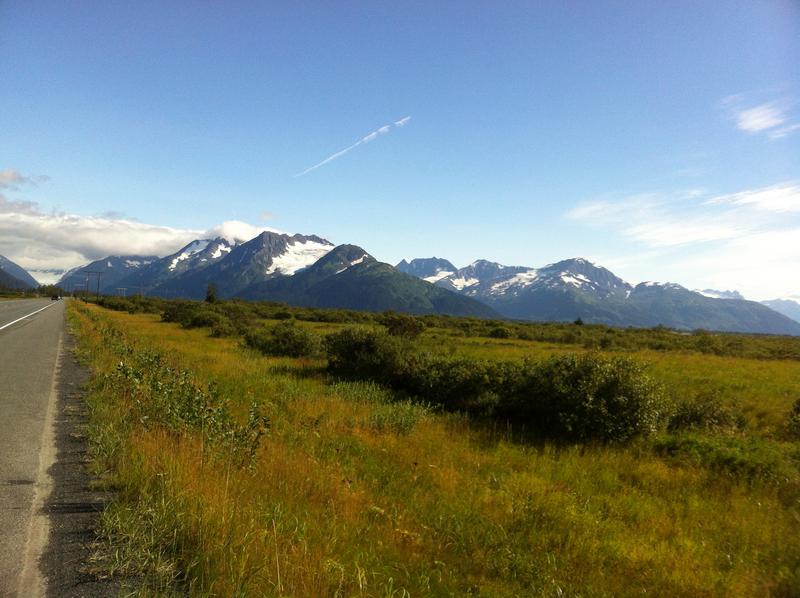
<point>99,275</point>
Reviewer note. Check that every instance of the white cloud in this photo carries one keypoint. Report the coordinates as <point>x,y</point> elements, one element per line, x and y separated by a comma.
<point>238,231</point>
<point>760,118</point>
<point>778,198</point>
<point>365,139</point>
<point>772,118</point>
<point>783,131</point>
<point>748,241</point>
<point>49,243</point>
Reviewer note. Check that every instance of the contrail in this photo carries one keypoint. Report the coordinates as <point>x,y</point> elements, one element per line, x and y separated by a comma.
<point>365,139</point>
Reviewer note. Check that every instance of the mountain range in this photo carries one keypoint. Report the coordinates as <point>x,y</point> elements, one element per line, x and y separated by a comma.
<point>577,288</point>
<point>13,276</point>
<point>309,270</point>
<point>298,269</point>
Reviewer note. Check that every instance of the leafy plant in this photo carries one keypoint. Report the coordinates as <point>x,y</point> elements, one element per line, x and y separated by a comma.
<point>589,397</point>
<point>409,327</point>
<point>704,412</point>
<point>286,339</point>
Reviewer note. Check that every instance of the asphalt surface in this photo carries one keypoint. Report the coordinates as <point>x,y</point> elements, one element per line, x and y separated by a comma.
<point>29,354</point>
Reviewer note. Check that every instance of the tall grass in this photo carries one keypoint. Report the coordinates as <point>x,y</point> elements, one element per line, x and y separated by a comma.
<point>352,493</point>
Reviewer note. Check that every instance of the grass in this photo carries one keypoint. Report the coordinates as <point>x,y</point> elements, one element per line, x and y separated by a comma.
<point>354,494</point>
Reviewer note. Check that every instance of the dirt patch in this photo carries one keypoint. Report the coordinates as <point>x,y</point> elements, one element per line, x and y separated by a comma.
<point>73,507</point>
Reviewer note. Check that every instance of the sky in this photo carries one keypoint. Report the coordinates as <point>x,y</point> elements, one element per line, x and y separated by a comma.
<point>661,140</point>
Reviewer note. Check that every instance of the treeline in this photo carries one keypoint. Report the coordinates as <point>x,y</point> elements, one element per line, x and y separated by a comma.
<point>46,290</point>
<point>235,317</point>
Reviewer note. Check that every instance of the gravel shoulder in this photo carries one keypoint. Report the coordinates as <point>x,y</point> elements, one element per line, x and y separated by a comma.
<point>73,507</point>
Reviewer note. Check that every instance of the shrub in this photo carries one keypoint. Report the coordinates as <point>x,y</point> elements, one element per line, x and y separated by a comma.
<point>399,417</point>
<point>794,419</point>
<point>589,397</point>
<point>286,339</point>
<point>753,459</point>
<point>180,312</point>
<point>224,328</point>
<point>205,318</point>
<point>704,412</point>
<point>402,325</point>
<point>363,354</point>
<point>500,332</point>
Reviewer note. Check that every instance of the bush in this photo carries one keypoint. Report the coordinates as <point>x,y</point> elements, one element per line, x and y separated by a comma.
<point>794,419</point>
<point>402,325</point>
<point>704,412</point>
<point>286,339</point>
<point>363,354</point>
<point>571,397</point>
<point>589,397</point>
<point>180,312</point>
<point>500,332</point>
<point>753,459</point>
<point>399,418</point>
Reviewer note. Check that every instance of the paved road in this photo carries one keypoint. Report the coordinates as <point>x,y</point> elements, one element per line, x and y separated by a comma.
<point>29,352</point>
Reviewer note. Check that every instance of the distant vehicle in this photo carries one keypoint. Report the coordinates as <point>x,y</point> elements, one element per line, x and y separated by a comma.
<point>55,298</point>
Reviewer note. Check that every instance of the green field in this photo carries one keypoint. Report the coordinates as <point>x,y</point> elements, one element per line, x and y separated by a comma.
<point>280,480</point>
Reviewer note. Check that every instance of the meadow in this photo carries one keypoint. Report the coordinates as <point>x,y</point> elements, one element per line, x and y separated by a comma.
<point>239,470</point>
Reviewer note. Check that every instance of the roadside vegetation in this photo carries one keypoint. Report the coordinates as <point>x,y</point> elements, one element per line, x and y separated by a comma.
<point>258,449</point>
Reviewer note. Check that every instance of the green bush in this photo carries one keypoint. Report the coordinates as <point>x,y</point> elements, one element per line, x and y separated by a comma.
<point>363,354</point>
<point>753,459</point>
<point>571,397</point>
<point>399,417</point>
<point>794,419</point>
<point>500,332</point>
<point>588,397</point>
<point>402,325</point>
<point>286,339</point>
<point>180,312</point>
<point>704,412</point>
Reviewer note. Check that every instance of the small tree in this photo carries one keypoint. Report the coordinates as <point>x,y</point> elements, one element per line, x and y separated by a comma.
<point>402,325</point>
<point>211,293</point>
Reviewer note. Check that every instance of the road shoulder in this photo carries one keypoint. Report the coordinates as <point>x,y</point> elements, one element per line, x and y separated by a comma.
<point>73,507</point>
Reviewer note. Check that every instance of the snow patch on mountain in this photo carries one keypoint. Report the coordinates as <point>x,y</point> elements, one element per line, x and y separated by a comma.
<point>438,276</point>
<point>137,263</point>
<point>220,250</point>
<point>522,279</point>
<point>353,263</point>
<point>298,255</point>
<point>664,285</point>
<point>577,281</point>
<point>463,283</point>
<point>190,250</point>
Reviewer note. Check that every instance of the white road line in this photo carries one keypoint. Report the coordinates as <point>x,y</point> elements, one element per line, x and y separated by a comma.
<point>33,313</point>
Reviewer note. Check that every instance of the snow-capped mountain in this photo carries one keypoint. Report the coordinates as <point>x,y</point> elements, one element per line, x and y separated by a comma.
<point>430,269</point>
<point>788,307</point>
<point>16,273</point>
<point>348,277</point>
<point>577,288</point>
<point>268,255</point>
<point>195,256</point>
<point>309,270</point>
<point>471,279</point>
<point>105,273</point>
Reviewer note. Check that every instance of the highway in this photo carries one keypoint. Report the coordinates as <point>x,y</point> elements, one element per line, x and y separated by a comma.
<point>29,354</point>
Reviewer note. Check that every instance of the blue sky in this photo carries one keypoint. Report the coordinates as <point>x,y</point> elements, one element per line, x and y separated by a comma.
<point>655,138</point>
